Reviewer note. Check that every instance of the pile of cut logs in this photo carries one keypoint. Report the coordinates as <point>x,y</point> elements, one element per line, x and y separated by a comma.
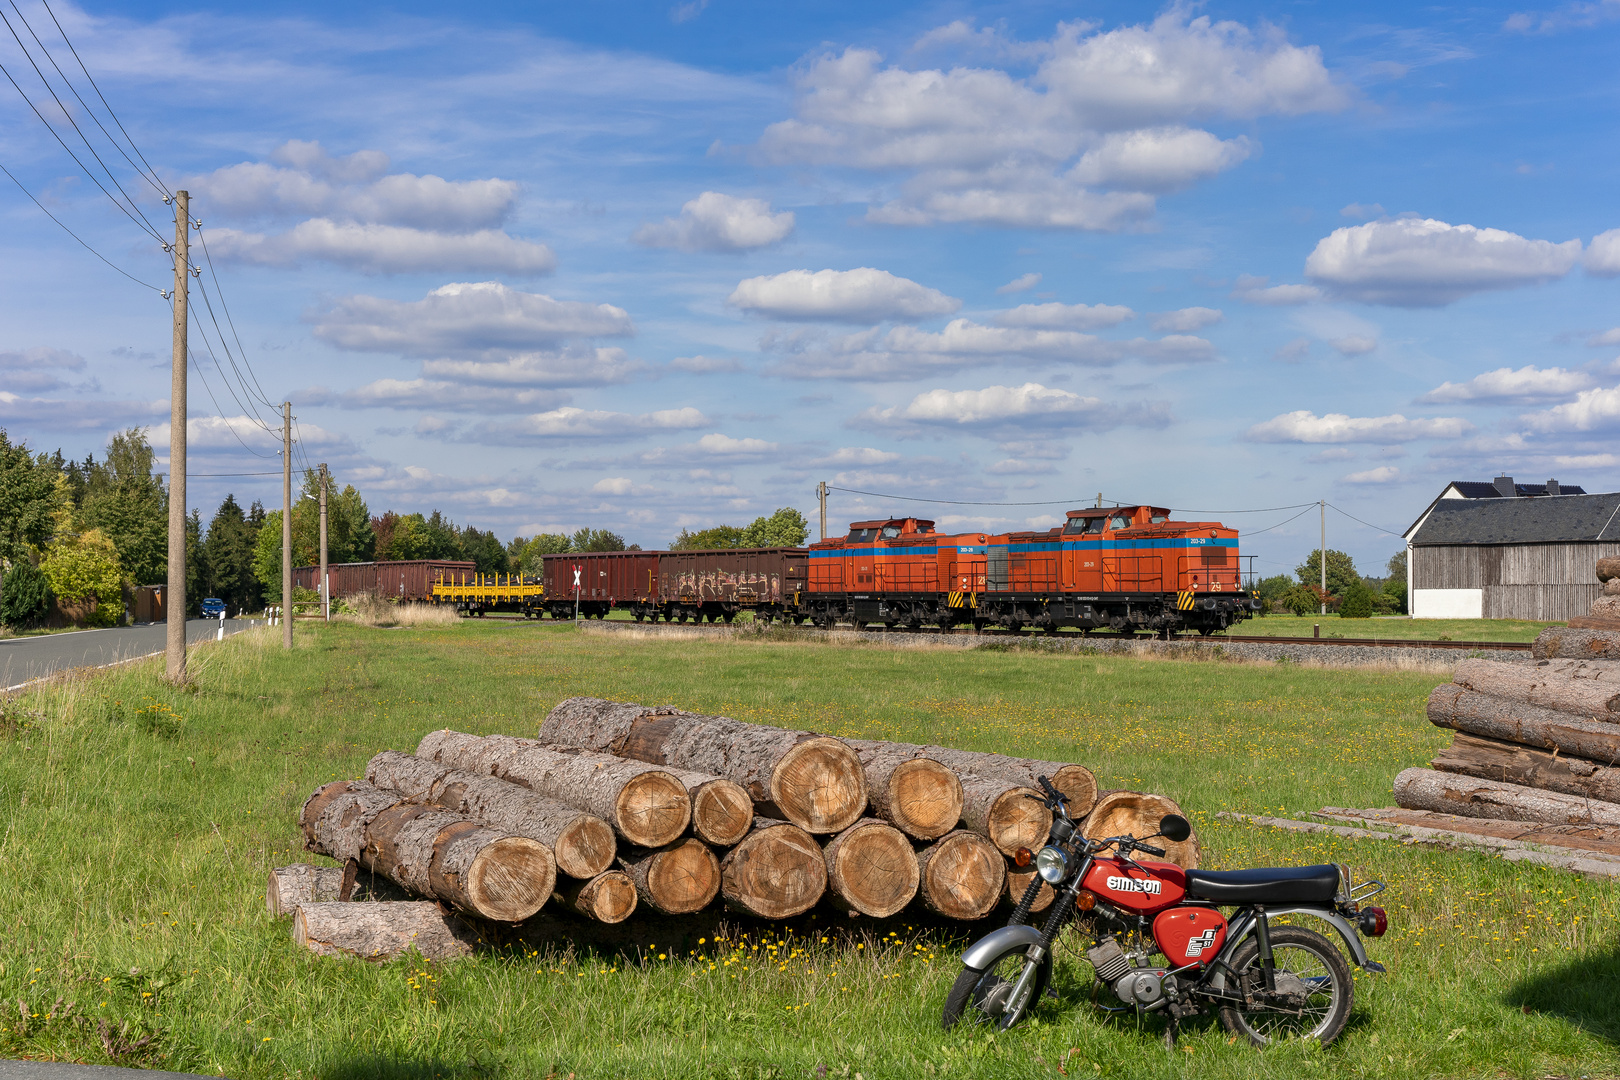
<point>617,808</point>
<point>1538,743</point>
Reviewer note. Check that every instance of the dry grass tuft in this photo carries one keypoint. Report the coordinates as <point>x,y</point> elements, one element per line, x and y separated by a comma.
<point>369,609</point>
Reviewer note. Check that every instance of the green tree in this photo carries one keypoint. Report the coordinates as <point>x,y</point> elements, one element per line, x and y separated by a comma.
<point>1395,589</point>
<point>409,540</point>
<point>25,595</point>
<point>1271,590</point>
<point>196,564</point>
<point>530,562</point>
<point>1302,599</point>
<point>718,536</point>
<point>785,528</point>
<point>1356,602</point>
<point>1397,565</point>
<point>1341,571</point>
<point>228,555</point>
<point>127,502</point>
<point>28,501</point>
<point>84,573</point>
<point>267,556</point>
<point>588,539</point>
<point>486,552</point>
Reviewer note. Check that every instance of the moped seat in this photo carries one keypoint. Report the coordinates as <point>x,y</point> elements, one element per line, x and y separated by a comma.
<point>1269,885</point>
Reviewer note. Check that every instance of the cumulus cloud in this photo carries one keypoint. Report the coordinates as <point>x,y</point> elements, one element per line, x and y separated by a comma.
<point>1065,316</point>
<point>441,395</point>
<point>1381,475</point>
<point>77,414</point>
<point>859,295</point>
<point>705,365</point>
<point>1413,262</point>
<point>466,320</point>
<point>1521,385</point>
<point>1113,110</point>
<point>1185,320</point>
<point>385,249</point>
<point>1354,345</point>
<point>1603,256</point>
<point>1303,426</point>
<point>571,423</point>
<point>1258,290</point>
<point>612,485</point>
<point>1592,410</point>
<point>361,216</point>
<point>1607,337</point>
<point>1361,212</point>
<point>1294,351</point>
<point>1002,409</point>
<point>38,370</point>
<point>1586,461</point>
<point>846,456</point>
<point>1022,283</point>
<point>573,365</point>
<point>716,222</point>
<point>713,447</point>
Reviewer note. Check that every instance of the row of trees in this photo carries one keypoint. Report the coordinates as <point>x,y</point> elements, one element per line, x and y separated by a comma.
<point>1348,594</point>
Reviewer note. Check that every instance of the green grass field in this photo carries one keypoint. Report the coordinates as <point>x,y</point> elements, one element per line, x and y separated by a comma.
<point>140,822</point>
<point>1393,628</point>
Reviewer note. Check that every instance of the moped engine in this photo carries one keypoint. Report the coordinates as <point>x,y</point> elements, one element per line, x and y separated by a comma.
<point>1132,979</point>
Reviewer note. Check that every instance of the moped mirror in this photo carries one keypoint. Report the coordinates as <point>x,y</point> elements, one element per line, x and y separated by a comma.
<point>1175,828</point>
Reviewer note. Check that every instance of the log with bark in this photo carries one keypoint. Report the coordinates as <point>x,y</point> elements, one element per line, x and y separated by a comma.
<point>917,795</point>
<point>431,852</point>
<point>1009,815</point>
<point>961,876</point>
<point>1448,793</point>
<point>871,869</point>
<point>1510,763</point>
<point>608,897</point>
<point>1594,622</point>
<point>302,883</point>
<point>776,872</point>
<point>1018,881</point>
<point>646,805</point>
<point>1076,782</point>
<point>1608,568</point>
<point>377,930</point>
<point>1135,813</point>
<point>1561,641</point>
<point>813,781</point>
<point>1585,687</point>
<point>676,879</point>
<point>582,843</point>
<point>1455,707</point>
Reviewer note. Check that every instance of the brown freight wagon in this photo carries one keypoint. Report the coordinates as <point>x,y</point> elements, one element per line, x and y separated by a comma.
<point>711,585</point>
<point>407,580</point>
<point>603,580</point>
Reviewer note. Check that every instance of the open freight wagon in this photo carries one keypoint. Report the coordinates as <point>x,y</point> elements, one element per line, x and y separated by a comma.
<point>677,586</point>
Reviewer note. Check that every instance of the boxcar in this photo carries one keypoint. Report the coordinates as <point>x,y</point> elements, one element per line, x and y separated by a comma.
<point>603,581</point>
<point>711,585</point>
<point>406,580</point>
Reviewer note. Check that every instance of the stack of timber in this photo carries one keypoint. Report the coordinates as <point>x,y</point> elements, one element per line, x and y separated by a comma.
<point>619,812</point>
<point>1535,744</point>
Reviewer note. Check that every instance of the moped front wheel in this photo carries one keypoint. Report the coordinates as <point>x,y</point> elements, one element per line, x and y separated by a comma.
<point>1313,995</point>
<point>980,997</point>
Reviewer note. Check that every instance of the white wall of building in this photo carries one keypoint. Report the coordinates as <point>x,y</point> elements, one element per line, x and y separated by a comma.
<point>1448,603</point>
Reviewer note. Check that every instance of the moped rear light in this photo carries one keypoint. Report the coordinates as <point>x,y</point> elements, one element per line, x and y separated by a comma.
<point>1372,922</point>
<point>1023,857</point>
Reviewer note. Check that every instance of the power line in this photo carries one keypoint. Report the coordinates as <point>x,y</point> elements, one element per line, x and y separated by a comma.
<point>225,347</point>
<point>1369,524</point>
<point>1280,524</point>
<point>75,235</point>
<point>1061,502</point>
<point>217,474</point>
<point>219,288</point>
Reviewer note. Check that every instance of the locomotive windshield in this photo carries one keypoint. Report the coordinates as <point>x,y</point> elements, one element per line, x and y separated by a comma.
<point>861,534</point>
<point>1120,521</point>
<point>890,532</point>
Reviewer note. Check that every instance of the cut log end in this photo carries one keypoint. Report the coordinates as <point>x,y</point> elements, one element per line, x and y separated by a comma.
<point>925,798</point>
<point>871,869</point>
<point>676,880</point>
<point>722,812</point>
<point>1078,786</point>
<point>510,879</point>
<point>777,872</point>
<point>962,876</point>
<point>585,847</point>
<point>653,809</point>
<point>1121,813</point>
<point>819,786</point>
<point>1018,819</point>
<point>607,898</point>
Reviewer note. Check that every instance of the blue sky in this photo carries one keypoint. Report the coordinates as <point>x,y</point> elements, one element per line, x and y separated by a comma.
<point>653,266</point>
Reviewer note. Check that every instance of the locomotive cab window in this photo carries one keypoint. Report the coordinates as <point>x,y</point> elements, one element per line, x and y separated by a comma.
<point>1159,519</point>
<point>860,534</point>
<point>1120,521</point>
<point>890,532</point>
<point>1077,525</point>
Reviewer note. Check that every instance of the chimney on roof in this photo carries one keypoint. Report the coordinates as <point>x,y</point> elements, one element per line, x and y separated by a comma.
<point>1552,488</point>
<point>1504,487</point>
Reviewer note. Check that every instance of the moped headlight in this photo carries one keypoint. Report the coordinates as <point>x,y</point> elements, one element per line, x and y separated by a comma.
<point>1051,864</point>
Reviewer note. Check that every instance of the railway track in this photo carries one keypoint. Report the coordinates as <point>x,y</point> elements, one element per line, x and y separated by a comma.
<point>1213,639</point>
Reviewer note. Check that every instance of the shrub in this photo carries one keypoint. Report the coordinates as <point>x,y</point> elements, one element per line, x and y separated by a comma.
<point>1357,602</point>
<point>84,573</point>
<point>25,595</point>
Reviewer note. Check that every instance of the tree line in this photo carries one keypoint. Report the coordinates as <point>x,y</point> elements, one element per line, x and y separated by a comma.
<point>1349,594</point>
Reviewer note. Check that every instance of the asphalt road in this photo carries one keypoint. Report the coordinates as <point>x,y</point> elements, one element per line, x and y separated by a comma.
<point>25,658</point>
<point>62,1070</point>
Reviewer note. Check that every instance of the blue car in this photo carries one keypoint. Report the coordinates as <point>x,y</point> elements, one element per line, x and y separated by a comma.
<point>213,607</point>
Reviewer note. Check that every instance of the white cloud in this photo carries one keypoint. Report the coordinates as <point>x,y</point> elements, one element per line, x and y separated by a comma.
<point>705,365</point>
<point>1603,256</point>
<point>38,370</point>
<point>442,395</point>
<point>716,222</point>
<point>712,447</point>
<point>1107,109</point>
<point>1381,475</point>
<point>1302,426</point>
<point>1592,410</point>
<point>859,455</point>
<point>385,249</point>
<point>992,406</point>
<point>1185,320</point>
<point>465,319</point>
<point>1354,345</point>
<point>1022,283</point>
<point>687,11</point>
<point>1520,385</point>
<point>1294,351</point>
<point>569,366</point>
<point>612,485</point>
<point>860,295</point>
<point>1064,316</point>
<point>1255,290</point>
<point>1332,453</point>
<point>1608,337</point>
<point>1586,461</point>
<point>569,422</point>
<point>1412,262</point>
<point>78,414</point>
<point>1361,212</point>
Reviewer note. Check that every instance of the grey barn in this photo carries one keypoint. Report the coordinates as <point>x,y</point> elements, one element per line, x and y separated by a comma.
<point>1520,552</point>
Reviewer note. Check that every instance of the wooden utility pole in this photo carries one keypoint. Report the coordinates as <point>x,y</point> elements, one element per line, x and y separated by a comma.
<point>1323,554</point>
<point>175,601</point>
<point>821,496</point>
<point>326,589</point>
<point>286,525</point>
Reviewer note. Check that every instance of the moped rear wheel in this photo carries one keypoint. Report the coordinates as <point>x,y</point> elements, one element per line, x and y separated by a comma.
<point>1314,989</point>
<point>980,997</point>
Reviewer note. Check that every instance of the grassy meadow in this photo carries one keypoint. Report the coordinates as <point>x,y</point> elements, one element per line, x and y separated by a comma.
<point>140,821</point>
<point>1392,629</point>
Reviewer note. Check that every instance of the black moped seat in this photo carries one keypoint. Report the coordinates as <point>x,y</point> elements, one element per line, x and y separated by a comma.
<point>1269,885</point>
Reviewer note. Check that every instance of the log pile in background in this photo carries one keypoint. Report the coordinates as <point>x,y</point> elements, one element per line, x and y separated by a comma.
<point>618,809</point>
<point>1537,743</point>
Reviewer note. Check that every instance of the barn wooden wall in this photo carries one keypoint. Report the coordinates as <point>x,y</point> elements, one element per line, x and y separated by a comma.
<point>1521,581</point>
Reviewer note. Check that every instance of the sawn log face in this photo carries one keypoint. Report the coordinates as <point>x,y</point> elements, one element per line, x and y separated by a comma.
<point>776,872</point>
<point>1076,782</point>
<point>1456,707</point>
<point>871,869</point>
<point>1510,763</point>
<point>1009,815</point>
<point>961,876</point>
<point>1586,687</point>
<point>1448,793</point>
<point>607,898</point>
<point>1136,813</point>
<point>677,879</point>
<point>919,796</point>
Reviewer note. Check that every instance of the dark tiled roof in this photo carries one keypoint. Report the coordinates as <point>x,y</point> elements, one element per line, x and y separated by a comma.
<point>1553,519</point>
<point>1478,489</point>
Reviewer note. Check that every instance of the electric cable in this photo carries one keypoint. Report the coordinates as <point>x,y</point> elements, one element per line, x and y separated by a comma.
<point>223,377</point>
<point>219,288</point>
<point>75,235</point>
<point>1369,524</point>
<point>226,348</point>
<point>1280,524</point>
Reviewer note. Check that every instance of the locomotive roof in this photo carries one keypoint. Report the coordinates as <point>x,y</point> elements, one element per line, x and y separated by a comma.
<point>1100,511</point>
<point>878,523</point>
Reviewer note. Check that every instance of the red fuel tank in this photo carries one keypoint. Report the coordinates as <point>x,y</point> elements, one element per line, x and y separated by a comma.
<point>1152,888</point>
<point>1189,935</point>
